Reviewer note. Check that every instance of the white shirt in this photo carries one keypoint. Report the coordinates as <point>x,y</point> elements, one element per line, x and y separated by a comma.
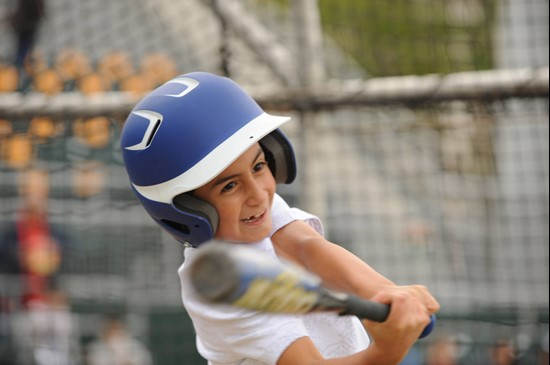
<point>231,335</point>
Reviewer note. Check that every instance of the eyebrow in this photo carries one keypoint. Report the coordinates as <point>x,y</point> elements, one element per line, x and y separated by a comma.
<point>230,177</point>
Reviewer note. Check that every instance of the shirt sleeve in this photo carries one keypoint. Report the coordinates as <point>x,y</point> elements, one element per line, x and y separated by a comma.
<point>282,215</point>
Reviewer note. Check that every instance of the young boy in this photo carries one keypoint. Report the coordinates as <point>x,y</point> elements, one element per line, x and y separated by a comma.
<point>204,160</point>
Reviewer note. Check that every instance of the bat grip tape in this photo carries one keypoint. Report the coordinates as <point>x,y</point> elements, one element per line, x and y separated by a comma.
<point>366,309</point>
<point>378,312</point>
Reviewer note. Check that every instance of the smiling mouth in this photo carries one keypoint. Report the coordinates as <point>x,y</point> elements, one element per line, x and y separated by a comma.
<point>253,218</point>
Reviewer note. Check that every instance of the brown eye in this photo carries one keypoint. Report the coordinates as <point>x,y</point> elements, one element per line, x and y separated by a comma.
<point>228,187</point>
<point>259,166</point>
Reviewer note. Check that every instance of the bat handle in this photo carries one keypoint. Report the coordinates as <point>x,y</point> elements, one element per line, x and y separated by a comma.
<point>428,329</point>
<point>378,312</point>
<point>366,309</point>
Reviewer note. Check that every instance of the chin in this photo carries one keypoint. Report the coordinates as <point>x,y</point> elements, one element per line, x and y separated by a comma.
<point>247,238</point>
<point>257,236</point>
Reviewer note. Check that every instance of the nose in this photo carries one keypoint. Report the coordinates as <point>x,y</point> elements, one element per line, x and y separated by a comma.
<point>255,192</point>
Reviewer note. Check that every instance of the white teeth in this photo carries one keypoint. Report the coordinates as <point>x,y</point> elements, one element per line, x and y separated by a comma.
<point>251,218</point>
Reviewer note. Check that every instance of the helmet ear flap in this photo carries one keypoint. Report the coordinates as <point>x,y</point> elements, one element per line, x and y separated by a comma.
<point>203,211</point>
<point>280,156</point>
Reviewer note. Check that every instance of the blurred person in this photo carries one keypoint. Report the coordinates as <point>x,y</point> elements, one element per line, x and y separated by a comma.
<point>413,357</point>
<point>503,352</point>
<point>442,352</point>
<point>31,252</point>
<point>7,351</point>
<point>26,20</point>
<point>543,352</point>
<point>46,332</point>
<point>117,346</point>
<point>31,247</point>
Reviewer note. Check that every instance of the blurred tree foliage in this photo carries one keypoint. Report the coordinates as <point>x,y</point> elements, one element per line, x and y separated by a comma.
<point>402,37</point>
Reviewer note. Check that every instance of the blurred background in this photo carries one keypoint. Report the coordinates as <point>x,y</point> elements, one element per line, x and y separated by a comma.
<point>421,129</point>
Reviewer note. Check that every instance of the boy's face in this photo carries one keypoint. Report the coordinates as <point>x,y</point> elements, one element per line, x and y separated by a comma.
<point>242,194</point>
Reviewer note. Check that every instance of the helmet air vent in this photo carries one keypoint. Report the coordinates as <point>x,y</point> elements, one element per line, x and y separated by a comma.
<point>180,227</point>
<point>154,120</point>
<point>153,132</point>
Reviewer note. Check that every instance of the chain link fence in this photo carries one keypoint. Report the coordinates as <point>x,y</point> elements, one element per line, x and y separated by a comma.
<point>421,130</point>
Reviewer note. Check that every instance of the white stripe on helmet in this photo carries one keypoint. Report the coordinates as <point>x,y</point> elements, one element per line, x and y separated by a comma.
<point>215,162</point>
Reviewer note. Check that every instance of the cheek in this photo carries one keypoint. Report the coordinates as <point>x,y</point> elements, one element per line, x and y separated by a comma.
<point>228,220</point>
<point>270,184</point>
<point>226,212</point>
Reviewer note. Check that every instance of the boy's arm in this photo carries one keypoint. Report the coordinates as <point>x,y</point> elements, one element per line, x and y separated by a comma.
<point>342,270</point>
<point>390,340</point>
<point>337,267</point>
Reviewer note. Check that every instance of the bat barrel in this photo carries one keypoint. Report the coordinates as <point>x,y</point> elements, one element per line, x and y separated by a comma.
<point>237,275</point>
<point>214,274</point>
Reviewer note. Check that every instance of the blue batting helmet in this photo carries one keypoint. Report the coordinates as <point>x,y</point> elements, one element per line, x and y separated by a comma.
<point>185,133</point>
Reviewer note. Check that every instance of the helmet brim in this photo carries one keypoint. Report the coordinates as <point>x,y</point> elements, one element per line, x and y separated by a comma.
<point>215,162</point>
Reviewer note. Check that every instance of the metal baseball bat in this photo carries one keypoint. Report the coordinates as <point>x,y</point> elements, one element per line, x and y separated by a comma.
<point>244,277</point>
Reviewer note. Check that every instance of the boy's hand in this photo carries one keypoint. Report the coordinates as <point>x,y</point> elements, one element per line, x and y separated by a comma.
<point>421,293</point>
<point>411,307</point>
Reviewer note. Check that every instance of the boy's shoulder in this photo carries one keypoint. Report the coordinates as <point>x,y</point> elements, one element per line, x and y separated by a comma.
<point>282,214</point>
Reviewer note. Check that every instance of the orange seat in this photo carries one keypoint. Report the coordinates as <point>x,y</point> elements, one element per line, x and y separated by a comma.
<point>115,67</point>
<point>159,67</point>
<point>72,64</point>
<point>92,83</point>
<point>9,78</point>
<point>6,128</point>
<point>95,132</point>
<point>42,128</point>
<point>48,81</point>
<point>137,84</point>
<point>17,150</point>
